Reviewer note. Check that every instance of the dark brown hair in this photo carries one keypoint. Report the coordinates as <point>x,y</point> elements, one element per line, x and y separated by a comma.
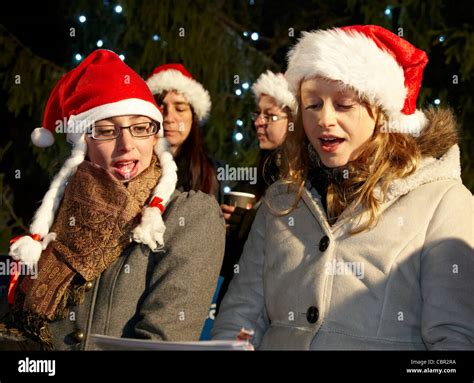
<point>197,170</point>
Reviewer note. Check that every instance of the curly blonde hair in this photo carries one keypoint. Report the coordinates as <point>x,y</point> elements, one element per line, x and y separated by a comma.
<point>382,159</point>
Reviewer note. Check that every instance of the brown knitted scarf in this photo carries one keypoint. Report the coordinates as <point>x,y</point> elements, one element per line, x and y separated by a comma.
<point>93,226</point>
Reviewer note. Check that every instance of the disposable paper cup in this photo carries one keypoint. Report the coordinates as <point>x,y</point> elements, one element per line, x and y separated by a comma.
<point>239,199</point>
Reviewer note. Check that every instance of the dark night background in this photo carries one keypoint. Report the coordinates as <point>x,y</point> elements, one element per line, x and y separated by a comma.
<point>35,43</point>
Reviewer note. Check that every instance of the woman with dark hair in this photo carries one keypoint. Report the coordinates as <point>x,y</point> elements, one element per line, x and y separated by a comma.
<point>186,106</point>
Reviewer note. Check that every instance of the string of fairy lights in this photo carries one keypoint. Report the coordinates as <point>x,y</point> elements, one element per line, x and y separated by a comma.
<point>240,90</point>
<point>238,134</point>
<point>100,43</point>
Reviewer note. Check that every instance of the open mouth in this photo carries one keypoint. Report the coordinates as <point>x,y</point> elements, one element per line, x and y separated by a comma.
<point>126,169</point>
<point>330,144</point>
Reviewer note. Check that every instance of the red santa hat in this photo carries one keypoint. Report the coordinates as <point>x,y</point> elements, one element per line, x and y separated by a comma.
<point>380,65</point>
<point>276,86</point>
<point>102,86</point>
<point>169,77</point>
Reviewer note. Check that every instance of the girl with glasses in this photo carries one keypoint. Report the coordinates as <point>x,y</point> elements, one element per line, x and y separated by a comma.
<point>113,249</point>
<point>273,119</point>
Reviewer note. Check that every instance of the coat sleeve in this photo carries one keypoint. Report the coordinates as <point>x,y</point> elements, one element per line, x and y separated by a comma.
<point>243,305</point>
<point>184,277</point>
<point>447,270</point>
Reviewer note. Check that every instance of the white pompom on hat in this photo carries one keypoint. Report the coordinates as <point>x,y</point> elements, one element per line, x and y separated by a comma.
<point>377,63</point>
<point>102,86</point>
<point>175,77</point>
<point>276,86</point>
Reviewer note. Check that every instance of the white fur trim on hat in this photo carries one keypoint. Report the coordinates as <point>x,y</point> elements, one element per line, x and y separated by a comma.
<point>193,91</point>
<point>45,214</point>
<point>355,60</point>
<point>276,86</point>
<point>24,249</point>
<point>27,250</point>
<point>79,123</point>
<point>151,229</point>
<point>411,124</point>
<point>42,137</point>
<point>352,58</point>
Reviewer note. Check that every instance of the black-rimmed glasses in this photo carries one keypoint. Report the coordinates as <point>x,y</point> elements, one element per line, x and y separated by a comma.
<point>112,132</point>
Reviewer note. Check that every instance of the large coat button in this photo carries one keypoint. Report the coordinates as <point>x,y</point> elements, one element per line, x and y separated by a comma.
<point>78,336</point>
<point>312,315</point>
<point>88,286</point>
<point>324,243</point>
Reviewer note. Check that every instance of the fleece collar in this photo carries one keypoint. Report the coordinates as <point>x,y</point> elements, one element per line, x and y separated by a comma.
<point>430,169</point>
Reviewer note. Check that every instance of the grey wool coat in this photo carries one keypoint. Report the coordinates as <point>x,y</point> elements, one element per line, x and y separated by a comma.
<point>406,284</point>
<point>164,295</point>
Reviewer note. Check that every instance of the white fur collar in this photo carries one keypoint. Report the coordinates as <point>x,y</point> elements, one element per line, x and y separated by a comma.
<point>430,169</point>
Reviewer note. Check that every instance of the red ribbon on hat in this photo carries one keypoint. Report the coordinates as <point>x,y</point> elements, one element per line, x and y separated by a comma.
<point>157,202</point>
<point>36,237</point>
<point>15,277</point>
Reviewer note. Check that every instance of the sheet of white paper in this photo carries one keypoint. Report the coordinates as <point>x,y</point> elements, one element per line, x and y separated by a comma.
<point>104,342</point>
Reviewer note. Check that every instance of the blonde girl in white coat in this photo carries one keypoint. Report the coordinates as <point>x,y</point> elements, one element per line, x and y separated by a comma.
<point>367,242</point>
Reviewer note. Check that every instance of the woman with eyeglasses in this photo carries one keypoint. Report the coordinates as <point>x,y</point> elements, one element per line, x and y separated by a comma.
<point>272,119</point>
<point>186,106</point>
<point>113,249</point>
